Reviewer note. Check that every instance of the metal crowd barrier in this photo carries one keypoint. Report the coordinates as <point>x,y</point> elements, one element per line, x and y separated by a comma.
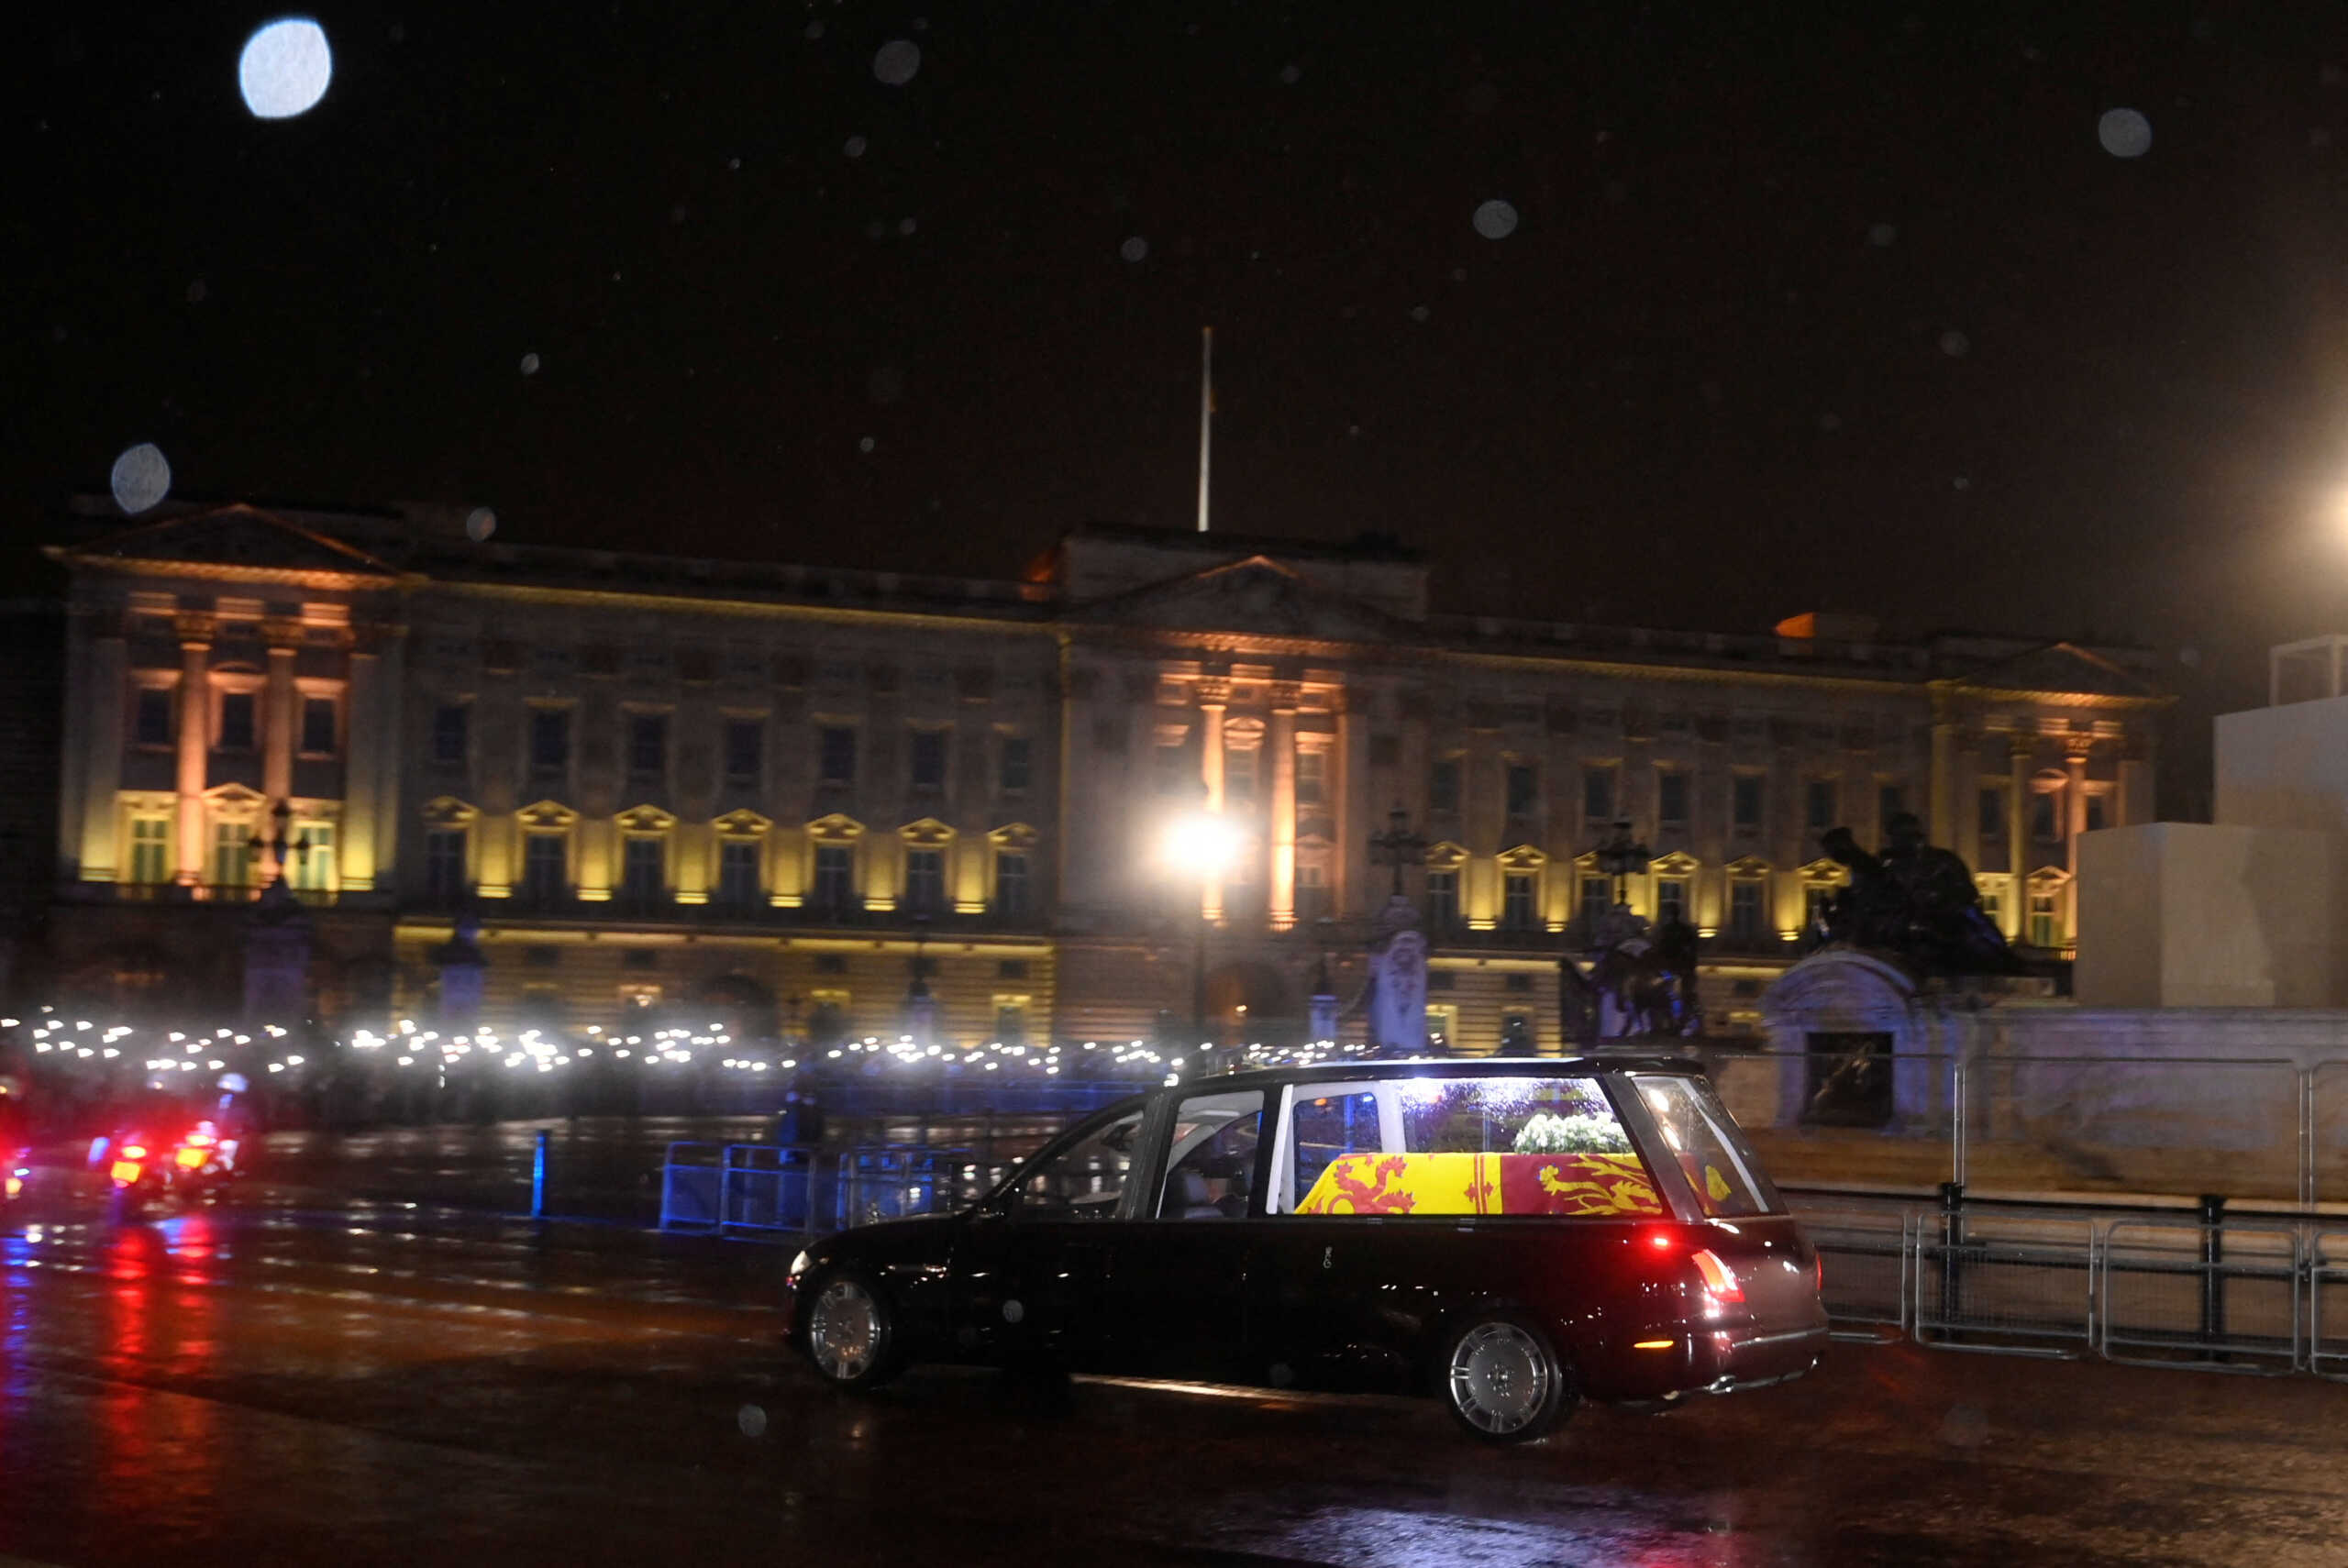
<point>796,1189</point>
<point>2200,1289</point>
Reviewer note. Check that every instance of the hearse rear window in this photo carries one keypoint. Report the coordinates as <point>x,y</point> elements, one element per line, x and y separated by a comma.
<point>1466,1145</point>
<point>1699,1134</point>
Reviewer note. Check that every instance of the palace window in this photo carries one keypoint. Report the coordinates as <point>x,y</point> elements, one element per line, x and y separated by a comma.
<point>744,750</point>
<point>313,863</point>
<point>2045,823</point>
<point>444,864</point>
<point>1443,784</point>
<point>1017,773</point>
<point>1815,897</point>
<point>1443,898</point>
<point>1671,797</point>
<point>1819,805</point>
<point>924,880</point>
<point>318,726</point>
<point>835,755</point>
<point>546,868</point>
<point>232,858</point>
<point>1523,789</point>
<point>236,721</point>
<point>1745,802</point>
<point>1239,773</point>
<point>1597,898</point>
<point>1010,883</point>
<point>550,740</point>
<point>1011,1019</point>
<point>2045,922</point>
<point>1312,890</point>
<point>929,759</point>
<point>150,851</point>
<point>644,872</point>
<point>1311,776</point>
<point>1890,799</point>
<point>150,718</point>
<point>1993,814</point>
<point>1744,912</point>
<point>1670,899</point>
<point>1597,795</point>
<point>834,872</point>
<point>450,722</point>
<point>2098,818</point>
<point>647,745</point>
<point>737,873</point>
<point>1176,775</point>
<point>1520,901</point>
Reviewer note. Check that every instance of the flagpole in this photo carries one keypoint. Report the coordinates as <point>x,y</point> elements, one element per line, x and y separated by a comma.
<point>1206,414</point>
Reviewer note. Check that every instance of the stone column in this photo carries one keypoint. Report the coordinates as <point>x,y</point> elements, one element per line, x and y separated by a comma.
<point>362,755</point>
<point>2019,748</point>
<point>194,738</point>
<point>100,718</point>
<point>1281,739</point>
<point>2075,814</point>
<point>390,747</point>
<point>281,714</point>
<point>1214,696</point>
<point>1357,891</point>
<point>1943,817</point>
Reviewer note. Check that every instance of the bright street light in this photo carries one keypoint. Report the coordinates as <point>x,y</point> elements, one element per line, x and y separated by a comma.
<point>1201,842</point>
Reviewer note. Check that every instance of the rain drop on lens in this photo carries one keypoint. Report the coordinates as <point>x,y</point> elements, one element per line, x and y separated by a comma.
<point>1496,219</point>
<point>2125,133</point>
<point>141,478</point>
<point>480,524</point>
<point>284,68</point>
<point>752,1420</point>
<point>529,364</point>
<point>855,146</point>
<point>1135,249</point>
<point>897,62</point>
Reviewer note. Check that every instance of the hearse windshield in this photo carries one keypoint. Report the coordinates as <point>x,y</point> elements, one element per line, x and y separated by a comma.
<point>1428,1145</point>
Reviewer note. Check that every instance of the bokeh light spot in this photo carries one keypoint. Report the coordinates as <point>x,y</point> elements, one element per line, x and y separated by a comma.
<point>529,364</point>
<point>2125,133</point>
<point>1496,219</point>
<point>897,62</point>
<point>855,146</point>
<point>141,478</point>
<point>480,524</point>
<point>284,69</point>
<point>1135,249</point>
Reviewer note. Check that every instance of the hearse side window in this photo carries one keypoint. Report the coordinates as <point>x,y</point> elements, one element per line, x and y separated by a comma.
<point>1328,1126</point>
<point>1529,1145</point>
<point>1085,1180</point>
<point>1210,1163</point>
<point>1696,1129</point>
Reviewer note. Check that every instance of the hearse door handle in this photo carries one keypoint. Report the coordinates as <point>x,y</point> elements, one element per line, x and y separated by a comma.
<point>1328,1257</point>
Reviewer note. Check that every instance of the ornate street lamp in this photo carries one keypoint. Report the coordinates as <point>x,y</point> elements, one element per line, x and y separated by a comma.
<point>1622,858</point>
<point>1397,846</point>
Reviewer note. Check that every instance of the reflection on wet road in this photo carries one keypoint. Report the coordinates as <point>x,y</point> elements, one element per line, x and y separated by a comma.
<point>380,1383</point>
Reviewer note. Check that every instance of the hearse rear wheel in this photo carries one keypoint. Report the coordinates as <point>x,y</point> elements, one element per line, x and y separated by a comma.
<point>1503,1381</point>
<point>852,1332</point>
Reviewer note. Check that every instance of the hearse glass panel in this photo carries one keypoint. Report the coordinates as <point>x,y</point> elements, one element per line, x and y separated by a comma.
<point>1533,1145</point>
<point>1211,1162</point>
<point>1087,1180</point>
<point>1710,1148</point>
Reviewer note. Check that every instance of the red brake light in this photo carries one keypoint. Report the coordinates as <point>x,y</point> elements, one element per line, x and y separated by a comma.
<point>1818,1269</point>
<point>1659,1240</point>
<point>1719,1280</point>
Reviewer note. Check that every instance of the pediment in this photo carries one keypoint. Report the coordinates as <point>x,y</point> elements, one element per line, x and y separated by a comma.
<point>2059,670</point>
<point>231,799</point>
<point>547,815</point>
<point>1678,862</point>
<point>1445,856</point>
<point>242,540</point>
<point>835,829</point>
<point>744,823</point>
<point>646,819</point>
<point>1523,857</point>
<point>928,832</point>
<point>1013,837</point>
<point>447,811</point>
<point>1257,595</point>
<point>1748,866</point>
<point>1823,871</point>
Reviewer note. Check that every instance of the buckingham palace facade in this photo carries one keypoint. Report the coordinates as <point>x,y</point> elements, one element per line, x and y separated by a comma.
<point>779,790</point>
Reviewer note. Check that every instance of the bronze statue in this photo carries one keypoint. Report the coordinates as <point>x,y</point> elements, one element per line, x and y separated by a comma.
<point>1915,901</point>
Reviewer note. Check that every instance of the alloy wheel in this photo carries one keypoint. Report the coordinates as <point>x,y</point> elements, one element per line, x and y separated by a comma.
<point>844,1331</point>
<point>1500,1378</point>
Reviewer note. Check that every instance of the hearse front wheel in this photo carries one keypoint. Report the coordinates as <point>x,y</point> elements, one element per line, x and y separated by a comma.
<point>1503,1381</point>
<point>852,1332</point>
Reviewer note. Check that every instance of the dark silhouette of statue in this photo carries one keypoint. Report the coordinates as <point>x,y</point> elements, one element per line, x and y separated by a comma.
<point>1916,902</point>
<point>1641,983</point>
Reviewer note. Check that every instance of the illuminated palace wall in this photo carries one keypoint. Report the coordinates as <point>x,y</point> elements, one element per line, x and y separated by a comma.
<point>767,788</point>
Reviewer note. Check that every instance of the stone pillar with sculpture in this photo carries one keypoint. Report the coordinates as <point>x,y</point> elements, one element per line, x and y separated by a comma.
<point>1397,953</point>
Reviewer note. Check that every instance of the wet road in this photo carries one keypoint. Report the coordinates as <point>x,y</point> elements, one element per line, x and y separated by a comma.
<point>384,1384</point>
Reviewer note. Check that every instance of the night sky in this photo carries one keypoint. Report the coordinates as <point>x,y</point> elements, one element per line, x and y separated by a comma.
<point>1821,310</point>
